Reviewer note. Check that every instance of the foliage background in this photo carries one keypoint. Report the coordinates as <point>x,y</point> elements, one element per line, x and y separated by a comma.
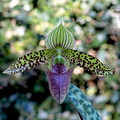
<point>24,25</point>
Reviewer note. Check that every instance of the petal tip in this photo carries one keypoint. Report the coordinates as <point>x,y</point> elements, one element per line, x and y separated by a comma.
<point>6,72</point>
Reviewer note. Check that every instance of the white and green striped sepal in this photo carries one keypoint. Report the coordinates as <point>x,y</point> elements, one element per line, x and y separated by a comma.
<point>60,37</point>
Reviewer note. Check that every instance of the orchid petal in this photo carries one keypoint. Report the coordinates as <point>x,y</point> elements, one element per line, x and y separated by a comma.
<point>88,62</point>
<point>30,60</point>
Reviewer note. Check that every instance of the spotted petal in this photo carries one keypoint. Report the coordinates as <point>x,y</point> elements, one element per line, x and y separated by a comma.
<point>30,60</point>
<point>88,62</point>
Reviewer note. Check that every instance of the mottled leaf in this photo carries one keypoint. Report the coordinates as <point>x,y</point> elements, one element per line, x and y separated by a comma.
<point>30,60</point>
<point>82,104</point>
<point>88,62</point>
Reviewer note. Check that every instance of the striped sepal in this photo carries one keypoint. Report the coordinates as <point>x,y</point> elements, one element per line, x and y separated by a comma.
<point>60,37</point>
<point>30,60</point>
<point>88,62</point>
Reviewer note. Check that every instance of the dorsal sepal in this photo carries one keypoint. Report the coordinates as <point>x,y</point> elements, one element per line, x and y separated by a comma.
<point>60,37</point>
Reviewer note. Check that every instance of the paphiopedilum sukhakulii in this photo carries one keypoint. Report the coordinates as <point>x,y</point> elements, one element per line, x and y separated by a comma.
<point>59,60</point>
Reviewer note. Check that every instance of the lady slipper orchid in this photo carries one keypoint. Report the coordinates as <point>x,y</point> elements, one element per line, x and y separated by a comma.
<point>59,59</point>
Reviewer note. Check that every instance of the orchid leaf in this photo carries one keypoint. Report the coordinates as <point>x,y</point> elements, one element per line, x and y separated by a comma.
<point>88,62</point>
<point>30,60</point>
<point>82,104</point>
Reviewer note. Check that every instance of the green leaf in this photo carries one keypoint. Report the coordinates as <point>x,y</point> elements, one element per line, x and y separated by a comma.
<point>30,60</point>
<point>88,62</point>
<point>81,103</point>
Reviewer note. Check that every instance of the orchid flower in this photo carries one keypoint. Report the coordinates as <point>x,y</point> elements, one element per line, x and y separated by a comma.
<point>59,59</point>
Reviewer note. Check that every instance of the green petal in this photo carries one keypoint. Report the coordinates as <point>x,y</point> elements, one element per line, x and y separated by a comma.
<point>30,60</point>
<point>60,37</point>
<point>88,62</point>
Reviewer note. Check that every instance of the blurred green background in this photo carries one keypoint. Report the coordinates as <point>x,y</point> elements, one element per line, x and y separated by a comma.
<point>24,25</point>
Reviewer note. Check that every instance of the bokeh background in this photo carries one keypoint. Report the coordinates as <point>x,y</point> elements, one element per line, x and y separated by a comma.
<point>24,25</point>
